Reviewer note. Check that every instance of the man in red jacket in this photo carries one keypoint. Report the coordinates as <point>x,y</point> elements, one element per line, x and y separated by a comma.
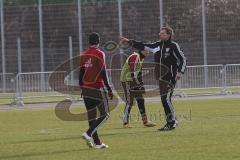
<point>93,80</point>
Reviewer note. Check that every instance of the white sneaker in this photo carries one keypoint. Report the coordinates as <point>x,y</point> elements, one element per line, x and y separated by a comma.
<point>101,146</point>
<point>88,139</point>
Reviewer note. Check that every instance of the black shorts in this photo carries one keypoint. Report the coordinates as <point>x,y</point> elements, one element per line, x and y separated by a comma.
<point>95,99</point>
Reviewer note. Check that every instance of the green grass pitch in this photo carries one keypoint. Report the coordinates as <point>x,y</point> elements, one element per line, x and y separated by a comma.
<point>208,130</point>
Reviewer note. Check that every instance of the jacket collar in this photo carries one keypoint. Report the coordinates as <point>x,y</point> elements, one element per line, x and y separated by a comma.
<point>94,46</point>
<point>166,42</point>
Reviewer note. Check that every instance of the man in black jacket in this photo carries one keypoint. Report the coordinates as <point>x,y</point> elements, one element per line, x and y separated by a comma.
<point>170,64</point>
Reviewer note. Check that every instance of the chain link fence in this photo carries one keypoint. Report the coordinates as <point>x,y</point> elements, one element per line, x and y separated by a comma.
<point>39,35</point>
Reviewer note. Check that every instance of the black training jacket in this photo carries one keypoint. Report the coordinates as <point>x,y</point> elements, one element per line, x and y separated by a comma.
<point>167,54</point>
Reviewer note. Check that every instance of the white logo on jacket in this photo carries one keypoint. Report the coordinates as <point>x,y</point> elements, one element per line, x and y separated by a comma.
<point>88,63</point>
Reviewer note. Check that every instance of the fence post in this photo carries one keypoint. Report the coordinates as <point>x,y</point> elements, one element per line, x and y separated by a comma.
<point>224,78</point>
<point>18,77</point>
<point>19,97</point>
<point>120,16</point>
<point>225,85</point>
<point>204,43</point>
<point>161,13</point>
<point>41,45</point>
<point>80,25</point>
<point>19,55</point>
<point>120,23</point>
<point>3,46</point>
<point>71,59</point>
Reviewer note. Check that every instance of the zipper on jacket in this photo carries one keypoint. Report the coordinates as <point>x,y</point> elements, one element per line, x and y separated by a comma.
<point>161,62</point>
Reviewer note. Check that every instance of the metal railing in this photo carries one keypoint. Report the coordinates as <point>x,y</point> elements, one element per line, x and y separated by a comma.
<point>10,78</point>
<point>232,77</point>
<point>202,76</point>
<point>201,79</point>
<point>31,85</point>
<point>220,77</point>
<point>7,90</point>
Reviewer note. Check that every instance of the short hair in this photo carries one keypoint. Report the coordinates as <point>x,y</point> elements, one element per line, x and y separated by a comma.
<point>169,31</point>
<point>94,38</point>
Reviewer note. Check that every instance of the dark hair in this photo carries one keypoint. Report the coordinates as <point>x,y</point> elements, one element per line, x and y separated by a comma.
<point>169,31</point>
<point>94,38</point>
<point>141,54</point>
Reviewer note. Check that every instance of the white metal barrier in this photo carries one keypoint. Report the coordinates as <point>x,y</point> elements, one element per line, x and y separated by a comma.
<point>9,82</point>
<point>232,75</point>
<point>7,92</point>
<point>29,85</point>
<point>200,77</point>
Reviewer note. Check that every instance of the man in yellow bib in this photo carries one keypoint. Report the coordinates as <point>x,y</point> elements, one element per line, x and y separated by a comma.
<point>131,80</point>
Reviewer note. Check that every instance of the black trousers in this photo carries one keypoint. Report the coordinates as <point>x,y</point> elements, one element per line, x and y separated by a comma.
<point>96,103</point>
<point>130,95</point>
<point>166,91</point>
